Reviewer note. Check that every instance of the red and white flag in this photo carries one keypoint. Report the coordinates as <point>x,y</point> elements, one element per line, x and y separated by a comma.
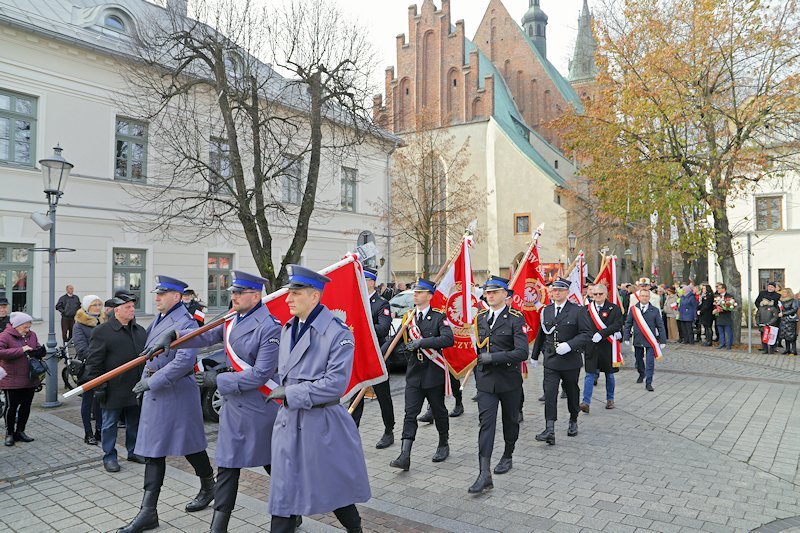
<point>346,297</point>
<point>576,278</point>
<point>455,297</point>
<point>608,277</point>
<point>530,291</point>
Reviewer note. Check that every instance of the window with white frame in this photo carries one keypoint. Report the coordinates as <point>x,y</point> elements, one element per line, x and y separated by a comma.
<point>17,128</point>
<point>131,150</point>
<point>349,187</point>
<point>291,180</point>
<point>769,212</point>
<point>219,279</point>
<point>128,272</point>
<point>219,157</point>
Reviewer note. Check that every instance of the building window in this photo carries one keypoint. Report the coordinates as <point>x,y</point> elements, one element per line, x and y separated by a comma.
<point>522,223</point>
<point>131,155</point>
<point>16,269</point>
<point>219,279</point>
<point>219,159</point>
<point>555,163</point>
<point>17,128</point>
<point>349,183</point>
<point>769,213</point>
<point>114,22</point>
<point>291,180</point>
<point>128,273</point>
<point>765,275</point>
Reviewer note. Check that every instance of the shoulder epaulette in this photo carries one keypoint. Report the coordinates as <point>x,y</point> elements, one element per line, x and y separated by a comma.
<point>339,321</point>
<point>514,312</point>
<point>483,311</point>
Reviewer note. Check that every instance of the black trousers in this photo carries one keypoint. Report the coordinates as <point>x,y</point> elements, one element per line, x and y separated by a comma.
<point>487,416</point>
<point>227,487</point>
<point>456,386</point>
<point>384,400</point>
<point>18,410</point>
<point>686,329</point>
<point>348,516</point>
<point>569,382</point>
<point>67,323</point>
<point>155,469</point>
<point>415,396</point>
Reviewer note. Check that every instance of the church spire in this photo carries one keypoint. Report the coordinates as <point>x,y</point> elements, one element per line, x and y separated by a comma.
<point>534,23</point>
<point>582,66</point>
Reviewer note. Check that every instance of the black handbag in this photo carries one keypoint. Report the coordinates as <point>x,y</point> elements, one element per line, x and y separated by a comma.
<point>37,369</point>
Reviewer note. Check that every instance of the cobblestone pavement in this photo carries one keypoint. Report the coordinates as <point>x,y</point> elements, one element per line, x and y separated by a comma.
<point>714,448</point>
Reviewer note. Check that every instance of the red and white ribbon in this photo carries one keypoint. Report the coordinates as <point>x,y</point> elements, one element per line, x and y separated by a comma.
<point>616,352</point>
<point>647,332</point>
<point>433,355</point>
<point>238,363</point>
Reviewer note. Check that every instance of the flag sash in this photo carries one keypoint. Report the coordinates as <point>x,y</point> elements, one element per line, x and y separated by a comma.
<point>616,352</point>
<point>433,355</point>
<point>647,332</point>
<point>239,364</point>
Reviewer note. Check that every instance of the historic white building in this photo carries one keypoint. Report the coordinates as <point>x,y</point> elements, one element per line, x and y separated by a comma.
<point>60,82</point>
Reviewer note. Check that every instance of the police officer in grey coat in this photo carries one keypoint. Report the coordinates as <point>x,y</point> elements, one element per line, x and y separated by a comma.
<point>502,346</point>
<point>251,340</point>
<point>317,461</point>
<point>566,328</point>
<point>171,421</point>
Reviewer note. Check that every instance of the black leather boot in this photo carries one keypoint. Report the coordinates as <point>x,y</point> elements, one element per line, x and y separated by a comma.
<point>403,461</point>
<point>427,418</point>
<point>572,430</point>
<point>484,481</point>
<point>20,436</point>
<point>204,497</point>
<point>457,411</point>
<point>148,515</point>
<point>219,522</point>
<point>386,440</point>
<point>9,439</point>
<point>443,450</point>
<point>549,434</point>
<point>504,465</point>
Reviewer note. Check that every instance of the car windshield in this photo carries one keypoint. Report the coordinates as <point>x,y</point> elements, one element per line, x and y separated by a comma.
<point>402,302</point>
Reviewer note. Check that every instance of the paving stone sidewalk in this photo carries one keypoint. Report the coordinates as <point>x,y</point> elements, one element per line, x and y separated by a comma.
<point>714,448</point>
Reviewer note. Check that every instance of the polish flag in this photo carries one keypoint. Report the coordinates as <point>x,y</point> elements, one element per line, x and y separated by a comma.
<point>530,291</point>
<point>576,278</point>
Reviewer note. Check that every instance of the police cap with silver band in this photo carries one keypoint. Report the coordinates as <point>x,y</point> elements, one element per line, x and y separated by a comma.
<point>424,285</point>
<point>371,273</point>
<point>495,283</point>
<point>302,277</point>
<point>242,281</point>
<point>561,283</point>
<point>166,284</point>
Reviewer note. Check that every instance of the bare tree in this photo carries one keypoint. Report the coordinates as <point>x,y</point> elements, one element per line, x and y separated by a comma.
<point>432,199</point>
<point>239,142</point>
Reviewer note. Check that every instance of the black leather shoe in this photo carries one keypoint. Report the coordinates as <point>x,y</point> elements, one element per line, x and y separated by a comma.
<point>484,481</point>
<point>640,380</point>
<point>111,465</point>
<point>20,436</point>
<point>9,440</point>
<point>521,417</point>
<point>148,515</point>
<point>475,398</point>
<point>541,398</point>
<point>427,418</point>
<point>204,497</point>
<point>457,411</point>
<point>572,430</point>
<point>649,387</point>
<point>403,461</point>
<point>549,434</point>
<point>219,522</point>
<point>136,458</point>
<point>386,440</point>
<point>90,440</point>
<point>563,394</point>
<point>503,466</point>
<point>442,453</point>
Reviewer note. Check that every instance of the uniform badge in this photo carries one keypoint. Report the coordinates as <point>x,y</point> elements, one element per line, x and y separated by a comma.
<point>604,314</point>
<point>386,312</point>
<point>347,342</point>
<point>525,328</point>
<point>445,321</point>
<point>274,341</point>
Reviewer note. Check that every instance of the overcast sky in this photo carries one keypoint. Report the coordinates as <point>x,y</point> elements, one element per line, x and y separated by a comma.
<point>387,18</point>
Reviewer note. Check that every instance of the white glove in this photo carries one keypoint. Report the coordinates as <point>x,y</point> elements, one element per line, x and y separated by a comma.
<point>627,343</point>
<point>597,337</point>
<point>534,363</point>
<point>563,348</point>
<point>618,336</point>
<point>663,346</point>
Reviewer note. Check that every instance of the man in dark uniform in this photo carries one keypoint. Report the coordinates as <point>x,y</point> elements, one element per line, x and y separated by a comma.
<point>564,332</point>
<point>502,346</point>
<point>606,319</point>
<point>195,308</point>
<point>382,321</point>
<point>427,334</point>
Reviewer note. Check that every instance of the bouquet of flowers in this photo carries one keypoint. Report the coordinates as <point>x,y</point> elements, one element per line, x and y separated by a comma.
<point>724,304</point>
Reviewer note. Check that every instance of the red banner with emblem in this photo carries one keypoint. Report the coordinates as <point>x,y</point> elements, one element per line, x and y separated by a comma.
<point>530,292</point>
<point>455,297</point>
<point>608,277</point>
<point>346,297</point>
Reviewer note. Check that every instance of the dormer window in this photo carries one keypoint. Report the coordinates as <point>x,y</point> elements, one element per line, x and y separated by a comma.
<point>113,22</point>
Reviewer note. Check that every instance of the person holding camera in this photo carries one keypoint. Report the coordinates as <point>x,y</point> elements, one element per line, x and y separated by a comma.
<point>17,344</point>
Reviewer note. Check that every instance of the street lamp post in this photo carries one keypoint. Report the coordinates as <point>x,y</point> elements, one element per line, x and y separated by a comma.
<point>572,240</point>
<point>55,171</point>
<point>628,253</point>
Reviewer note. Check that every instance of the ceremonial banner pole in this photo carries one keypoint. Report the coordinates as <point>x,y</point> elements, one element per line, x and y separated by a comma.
<point>142,359</point>
<point>534,242</point>
<point>399,334</point>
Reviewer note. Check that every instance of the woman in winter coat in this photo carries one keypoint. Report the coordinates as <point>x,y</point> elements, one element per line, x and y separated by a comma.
<point>705,312</point>
<point>788,313</point>
<point>767,315</point>
<point>17,341</point>
<point>670,309</point>
<point>687,312</point>
<point>89,316</point>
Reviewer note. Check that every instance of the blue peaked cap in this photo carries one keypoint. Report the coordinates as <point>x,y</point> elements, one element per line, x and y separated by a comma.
<point>242,281</point>
<point>166,283</point>
<point>425,285</point>
<point>302,277</point>
<point>371,273</point>
<point>495,283</point>
<point>561,283</point>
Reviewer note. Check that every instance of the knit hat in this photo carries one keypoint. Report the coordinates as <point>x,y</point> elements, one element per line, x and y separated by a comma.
<point>18,318</point>
<point>89,300</point>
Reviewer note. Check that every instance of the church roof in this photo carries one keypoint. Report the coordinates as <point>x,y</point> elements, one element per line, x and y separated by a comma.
<point>582,66</point>
<point>563,86</point>
<point>508,117</point>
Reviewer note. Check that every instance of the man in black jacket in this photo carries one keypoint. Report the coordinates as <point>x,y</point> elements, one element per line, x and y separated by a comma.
<point>502,346</point>
<point>113,344</point>
<point>428,333</point>
<point>68,305</point>
<point>382,321</point>
<point>4,319</point>
<point>565,330</point>
<point>606,323</point>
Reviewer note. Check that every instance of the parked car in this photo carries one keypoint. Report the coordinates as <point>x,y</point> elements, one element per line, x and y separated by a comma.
<point>400,304</point>
<point>211,361</point>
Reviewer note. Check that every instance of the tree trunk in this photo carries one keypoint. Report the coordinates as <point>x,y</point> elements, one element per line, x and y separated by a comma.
<point>700,266</point>
<point>727,263</point>
<point>686,270</point>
